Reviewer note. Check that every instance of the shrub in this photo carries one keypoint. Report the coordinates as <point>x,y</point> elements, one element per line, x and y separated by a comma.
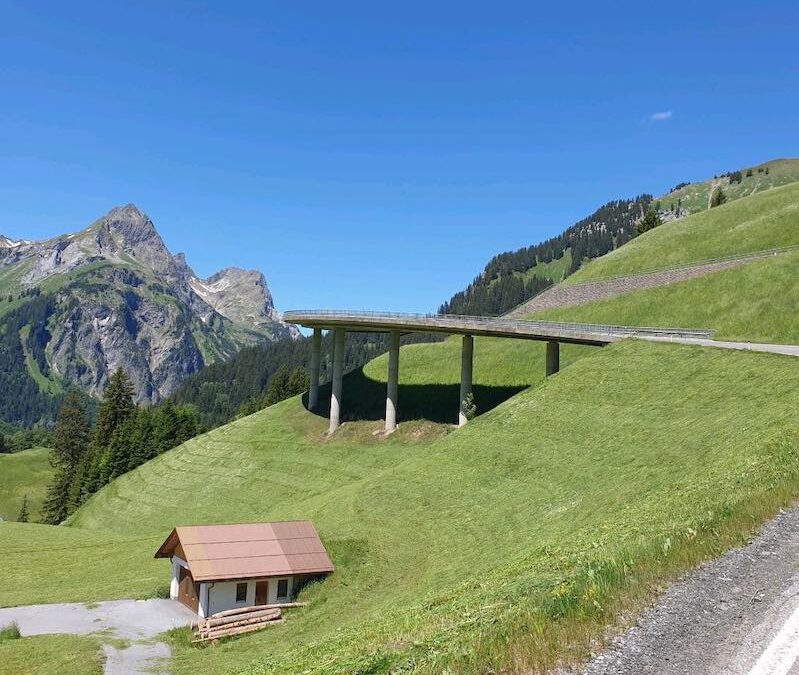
<point>469,406</point>
<point>9,632</point>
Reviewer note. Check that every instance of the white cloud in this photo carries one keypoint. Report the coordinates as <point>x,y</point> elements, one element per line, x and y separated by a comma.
<point>660,116</point>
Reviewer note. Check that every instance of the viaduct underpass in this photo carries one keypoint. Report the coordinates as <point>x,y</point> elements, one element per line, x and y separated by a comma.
<point>396,324</point>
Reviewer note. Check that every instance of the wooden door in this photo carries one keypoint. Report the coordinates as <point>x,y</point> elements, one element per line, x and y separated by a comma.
<point>187,590</point>
<point>261,592</point>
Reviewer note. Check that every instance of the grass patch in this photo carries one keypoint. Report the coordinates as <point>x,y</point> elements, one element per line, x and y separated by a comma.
<point>556,269</point>
<point>52,655</point>
<point>24,473</point>
<point>63,564</point>
<point>45,384</point>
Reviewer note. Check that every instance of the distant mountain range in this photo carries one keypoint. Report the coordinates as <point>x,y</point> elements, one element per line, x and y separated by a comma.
<point>78,306</point>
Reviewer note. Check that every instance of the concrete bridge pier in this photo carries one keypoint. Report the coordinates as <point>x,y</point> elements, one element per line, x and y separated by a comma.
<point>393,381</point>
<point>339,336</point>
<point>553,357</point>
<point>316,362</point>
<point>467,359</point>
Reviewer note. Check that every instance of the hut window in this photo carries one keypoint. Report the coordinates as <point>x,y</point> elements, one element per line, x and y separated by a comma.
<point>283,588</point>
<point>241,592</point>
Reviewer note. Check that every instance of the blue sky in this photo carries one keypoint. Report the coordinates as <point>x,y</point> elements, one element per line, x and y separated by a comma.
<point>376,155</point>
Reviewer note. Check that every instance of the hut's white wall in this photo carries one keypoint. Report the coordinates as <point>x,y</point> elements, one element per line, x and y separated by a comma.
<point>205,599</point>
<point>177,563</point>
<point>222,594</point>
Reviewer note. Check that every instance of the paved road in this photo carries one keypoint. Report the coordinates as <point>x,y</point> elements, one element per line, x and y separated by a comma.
<point>788,350</point>
<point>138,621</point>
<point>738,615</point>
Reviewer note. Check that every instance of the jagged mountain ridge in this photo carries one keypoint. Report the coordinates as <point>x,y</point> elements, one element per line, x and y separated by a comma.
<point>113,296</point>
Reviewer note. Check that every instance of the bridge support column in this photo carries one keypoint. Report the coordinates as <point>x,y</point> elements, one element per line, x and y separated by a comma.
<point>467,358</point>
<point>553,357</point>
<point>316,362</point>
<point>393,381</point>
<point>339,336</point>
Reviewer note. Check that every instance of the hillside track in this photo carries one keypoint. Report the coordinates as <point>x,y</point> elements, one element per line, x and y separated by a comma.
<point>762,347</point>
<point>574,295</point>
<point>737,615</point>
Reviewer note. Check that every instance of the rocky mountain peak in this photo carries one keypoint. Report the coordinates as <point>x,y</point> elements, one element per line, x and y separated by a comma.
<point>130,230</point>
<point>132,223</point>
<point>240,295</point>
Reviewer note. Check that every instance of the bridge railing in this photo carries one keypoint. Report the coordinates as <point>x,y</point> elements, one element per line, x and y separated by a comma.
<point>463,321</point>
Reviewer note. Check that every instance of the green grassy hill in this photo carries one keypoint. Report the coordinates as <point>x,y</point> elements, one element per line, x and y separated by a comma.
<point>504,545</point>
<point>23,473</point>
<point>525,531</point>
<point>763,221</point>
<point>695,197</point>
<point>756,302</point>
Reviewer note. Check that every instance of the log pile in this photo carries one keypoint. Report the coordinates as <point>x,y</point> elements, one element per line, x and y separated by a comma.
<point>239,621</point>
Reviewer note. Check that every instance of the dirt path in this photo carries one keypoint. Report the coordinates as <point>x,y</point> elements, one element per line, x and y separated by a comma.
<point>135,621</point>
<point>738,615</point>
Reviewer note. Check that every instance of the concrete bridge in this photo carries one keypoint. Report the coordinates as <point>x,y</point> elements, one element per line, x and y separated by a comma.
<point>395,324</point>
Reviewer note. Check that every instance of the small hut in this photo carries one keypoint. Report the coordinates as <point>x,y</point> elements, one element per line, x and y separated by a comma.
<point>221,567</point>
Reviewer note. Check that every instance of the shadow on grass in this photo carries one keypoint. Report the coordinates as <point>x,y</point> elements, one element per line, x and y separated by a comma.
<point>365,399</point>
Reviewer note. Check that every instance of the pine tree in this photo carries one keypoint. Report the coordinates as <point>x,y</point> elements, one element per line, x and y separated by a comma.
<point>718,197</point>
<point>650,221</point>
<point>278,388</point>
<point>3,445</point>
<point>116,407</point>
<point>70,441</point>
<point>167,426</point>
<point>122,451</point>
<point>298,382</point>
<point>23,516</point>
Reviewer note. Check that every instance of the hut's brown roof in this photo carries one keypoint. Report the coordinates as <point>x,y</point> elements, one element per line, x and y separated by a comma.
<point>219,552</point>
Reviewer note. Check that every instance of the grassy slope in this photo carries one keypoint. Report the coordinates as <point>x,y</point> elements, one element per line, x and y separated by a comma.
<point>555,270</point>
<point>458,544</point>
<point>756,302</point>
<point>695,196</point>
<point>23,473</point>
<point>766,220</point>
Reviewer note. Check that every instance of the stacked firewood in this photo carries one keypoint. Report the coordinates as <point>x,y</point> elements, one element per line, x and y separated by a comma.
<point>242,620</point>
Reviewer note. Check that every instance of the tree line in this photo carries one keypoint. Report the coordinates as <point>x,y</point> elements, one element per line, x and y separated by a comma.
<point>124,435</point>
<point>262,375</point>
<point>500,287</point>
<point>14,439</point>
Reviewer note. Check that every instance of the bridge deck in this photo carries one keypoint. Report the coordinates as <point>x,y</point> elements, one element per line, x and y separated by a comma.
<point>574,333</point>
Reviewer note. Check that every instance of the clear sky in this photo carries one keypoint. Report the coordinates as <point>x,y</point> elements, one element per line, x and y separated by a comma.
<point>376,155</point>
